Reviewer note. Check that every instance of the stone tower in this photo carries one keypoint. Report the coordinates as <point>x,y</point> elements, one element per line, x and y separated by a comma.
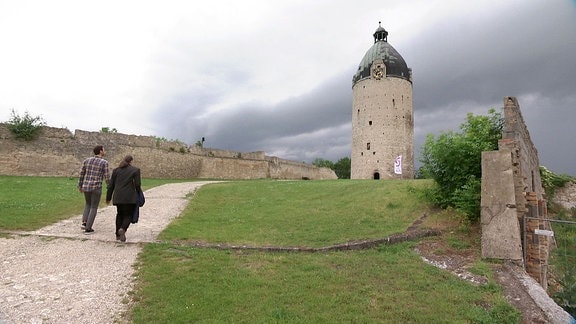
<point>382,114</point>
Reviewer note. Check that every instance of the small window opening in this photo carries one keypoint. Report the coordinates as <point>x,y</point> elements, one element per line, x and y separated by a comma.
<point>370,123</point>
<point>368,145</point>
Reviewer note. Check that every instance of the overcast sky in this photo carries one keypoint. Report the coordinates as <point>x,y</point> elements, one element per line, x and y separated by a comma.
<point>276,76</point>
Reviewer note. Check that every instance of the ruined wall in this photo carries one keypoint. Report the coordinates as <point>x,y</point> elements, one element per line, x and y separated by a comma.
<point>501,231</point>
<point>59,152</point>
<point>512,192</point>
<point>566,196</point>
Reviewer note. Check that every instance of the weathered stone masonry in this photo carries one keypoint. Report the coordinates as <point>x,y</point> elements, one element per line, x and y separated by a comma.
<point>59,152</point>
<point>382,114</point>
<point>513,199</point>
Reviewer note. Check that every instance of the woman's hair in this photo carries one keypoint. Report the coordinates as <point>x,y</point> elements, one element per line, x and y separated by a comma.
<point>126,162</point>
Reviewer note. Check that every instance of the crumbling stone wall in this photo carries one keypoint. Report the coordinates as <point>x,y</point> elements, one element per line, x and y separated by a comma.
<point>513,200</point>
<point>566,196</point>
<point>59,152</point>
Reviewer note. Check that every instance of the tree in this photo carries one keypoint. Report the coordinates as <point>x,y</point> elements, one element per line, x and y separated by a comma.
<point>108,130</point>
<point>25,127</point>
<point>454,161</point>
<point>322,163</point>
<point>342,168</point>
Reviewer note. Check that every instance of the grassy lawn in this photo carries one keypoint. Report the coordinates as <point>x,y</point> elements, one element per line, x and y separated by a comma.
<point>178,283</point>
<point>30,203</point>
<point>298,213</point>
<point>182,284</point>
<point>390,284</point>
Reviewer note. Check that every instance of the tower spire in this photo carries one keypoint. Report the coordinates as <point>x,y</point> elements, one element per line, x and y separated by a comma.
<point>380,34</point>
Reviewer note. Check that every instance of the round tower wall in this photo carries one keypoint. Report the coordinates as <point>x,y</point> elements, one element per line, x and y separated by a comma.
<point>382,128</point>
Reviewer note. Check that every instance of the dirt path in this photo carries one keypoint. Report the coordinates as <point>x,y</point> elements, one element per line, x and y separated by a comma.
<point>58,274</point>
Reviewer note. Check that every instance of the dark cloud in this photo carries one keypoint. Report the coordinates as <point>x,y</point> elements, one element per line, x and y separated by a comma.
<point>465,65</point>
<point>550,121</point>
<point>316,124</point>
<point>461,64</point>
<point>511,53</point>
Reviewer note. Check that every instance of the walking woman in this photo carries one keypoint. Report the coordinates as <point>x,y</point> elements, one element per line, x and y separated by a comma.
<point>125,184</point>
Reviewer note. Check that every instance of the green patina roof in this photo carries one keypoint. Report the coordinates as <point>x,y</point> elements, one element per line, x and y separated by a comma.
<point>395,64</point>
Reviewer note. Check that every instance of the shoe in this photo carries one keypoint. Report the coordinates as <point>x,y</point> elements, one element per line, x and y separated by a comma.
<point>122,235</point>
<point>89,231</point>
<point>83,226</point>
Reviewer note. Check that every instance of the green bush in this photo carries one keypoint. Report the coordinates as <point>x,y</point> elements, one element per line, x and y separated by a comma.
<point>454,161</point>
<point>566,296</point>
<point>342,168</point>
<point>108,130</point>
<point>25,127</point>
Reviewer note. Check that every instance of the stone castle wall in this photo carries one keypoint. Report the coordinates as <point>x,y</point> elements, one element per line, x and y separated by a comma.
<point>513,199</point>
<point>59,152</point>
<point>566,196</point>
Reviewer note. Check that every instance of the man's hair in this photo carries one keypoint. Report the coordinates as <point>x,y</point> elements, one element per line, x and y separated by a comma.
<point>97,149</point>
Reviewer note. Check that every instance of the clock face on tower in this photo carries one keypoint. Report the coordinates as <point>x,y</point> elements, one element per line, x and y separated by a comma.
<point>378,72</point>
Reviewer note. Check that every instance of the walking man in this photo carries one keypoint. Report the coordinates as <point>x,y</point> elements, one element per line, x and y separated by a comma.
<point>94,171</point>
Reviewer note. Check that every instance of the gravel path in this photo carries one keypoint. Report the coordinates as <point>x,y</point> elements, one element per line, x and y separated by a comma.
<point>58,274</point>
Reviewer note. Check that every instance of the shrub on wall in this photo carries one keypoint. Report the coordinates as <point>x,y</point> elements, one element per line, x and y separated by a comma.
<point>108,130</point>
<point>552,181</point>
<point>25,127</point>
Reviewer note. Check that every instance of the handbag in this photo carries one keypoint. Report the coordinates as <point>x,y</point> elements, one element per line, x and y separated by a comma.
<point>140,201</point>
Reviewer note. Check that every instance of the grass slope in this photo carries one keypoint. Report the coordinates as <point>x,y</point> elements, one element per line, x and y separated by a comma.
<point>390,284</point>
<point>176,283</point>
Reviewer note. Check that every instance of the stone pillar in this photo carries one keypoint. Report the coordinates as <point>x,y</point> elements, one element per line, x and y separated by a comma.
<point>501,235</point>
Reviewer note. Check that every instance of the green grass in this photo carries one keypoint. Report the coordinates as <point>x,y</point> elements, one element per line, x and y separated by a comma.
<point>390,284</point>
<point>29,203</point>
<point>563,263</point>
<point>177,283</point>
<point>297,213</point>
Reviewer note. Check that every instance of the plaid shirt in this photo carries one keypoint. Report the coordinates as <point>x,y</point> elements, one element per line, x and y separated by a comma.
<point>94,170</point>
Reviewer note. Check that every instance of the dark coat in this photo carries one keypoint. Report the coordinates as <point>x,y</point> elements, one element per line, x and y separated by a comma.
<point>124,185</point>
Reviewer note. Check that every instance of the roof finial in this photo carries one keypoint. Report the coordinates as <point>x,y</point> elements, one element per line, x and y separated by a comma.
<point>381,34</point>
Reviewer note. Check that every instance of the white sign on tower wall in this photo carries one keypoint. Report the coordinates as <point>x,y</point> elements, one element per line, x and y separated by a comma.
<point>398,165</point>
